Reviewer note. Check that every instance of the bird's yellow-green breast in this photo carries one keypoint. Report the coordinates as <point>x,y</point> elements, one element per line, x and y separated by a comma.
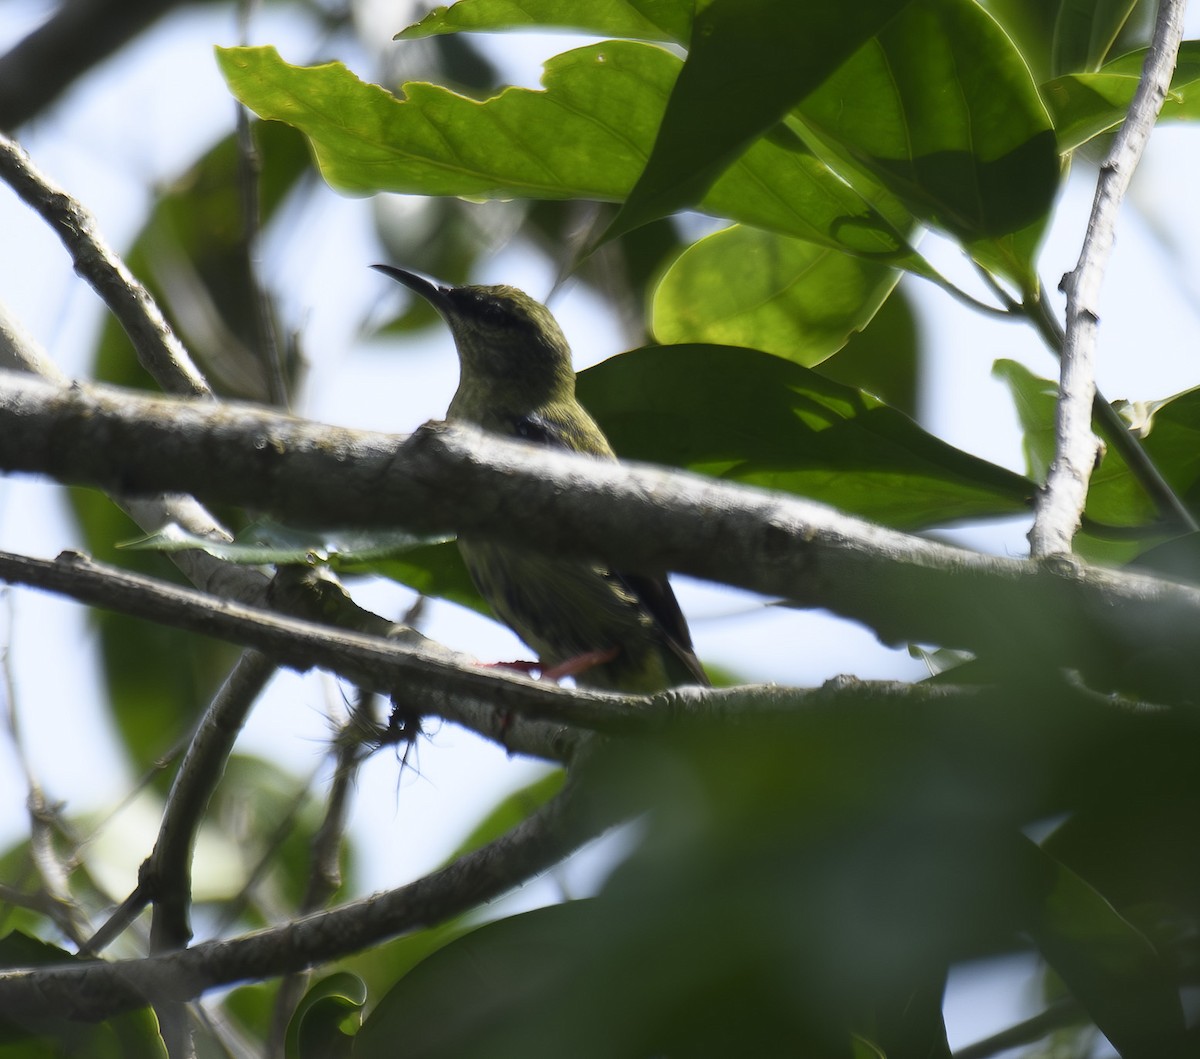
<point>516,379</point>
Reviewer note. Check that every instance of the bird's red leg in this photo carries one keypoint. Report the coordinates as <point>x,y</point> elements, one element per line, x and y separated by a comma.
<point>572,667</point>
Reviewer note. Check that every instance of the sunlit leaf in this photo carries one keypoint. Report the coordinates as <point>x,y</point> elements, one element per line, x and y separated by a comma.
<point>1086,104</point>
<point>586,135</point>
<point>747,287</point>
<point>637,19</point>
<point>1085,31</point>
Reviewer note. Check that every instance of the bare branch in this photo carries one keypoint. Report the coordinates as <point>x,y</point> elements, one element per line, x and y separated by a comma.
<point>1060,505</point>
<point>97,989</point>
<point>158,350</point>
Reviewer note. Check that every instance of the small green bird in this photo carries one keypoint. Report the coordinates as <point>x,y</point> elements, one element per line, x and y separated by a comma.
<point>607,629</point>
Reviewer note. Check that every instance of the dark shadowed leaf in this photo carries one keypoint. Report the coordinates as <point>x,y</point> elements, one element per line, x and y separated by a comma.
<point>746,416</point>
<point>749,62</point>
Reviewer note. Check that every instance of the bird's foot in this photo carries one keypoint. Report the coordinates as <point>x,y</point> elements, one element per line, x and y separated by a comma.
<point>572,667</point>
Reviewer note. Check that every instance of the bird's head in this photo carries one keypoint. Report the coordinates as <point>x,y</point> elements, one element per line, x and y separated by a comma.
<point>507,341</point>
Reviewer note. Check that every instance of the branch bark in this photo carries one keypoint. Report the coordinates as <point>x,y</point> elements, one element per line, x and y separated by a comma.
<point>1060,505</point>
<point>95,989</point>
<point>449,477</point>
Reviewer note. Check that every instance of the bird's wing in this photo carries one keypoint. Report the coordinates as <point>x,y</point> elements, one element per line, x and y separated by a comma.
<point>653,593</point>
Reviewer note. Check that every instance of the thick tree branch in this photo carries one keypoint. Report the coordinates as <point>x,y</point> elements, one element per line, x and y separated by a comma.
<point>448,477</point>
<point>432,681</point>
<point>1060,505</point>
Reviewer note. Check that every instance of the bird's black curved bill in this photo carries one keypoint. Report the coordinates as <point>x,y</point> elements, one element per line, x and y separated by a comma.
<point>431,292</point>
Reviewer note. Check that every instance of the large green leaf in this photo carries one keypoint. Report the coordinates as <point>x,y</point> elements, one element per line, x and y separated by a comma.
<point>940,107</point>
<point>747,416</point>
<point>668,20</point>
<point>1086,104</point>
<point>749,62</point>
<point>747,287</point>
<point>586,135</point>
<point>1085,31</point>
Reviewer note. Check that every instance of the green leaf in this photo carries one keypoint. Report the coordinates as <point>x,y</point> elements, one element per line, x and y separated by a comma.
<point>747,416</point>
<point>461,1001</point>
<point>317,1029</point>
<point>940,107</point>
<point>433,570</point>
<point>747,287</point>
<point>668,20</point>
<point>585,136</point>
<point>1036,400</point>
<point>749,63</point>
<point>1085,105</point>
<point>1117,505</point>
<point>1107,963</point>
<point>1085,31</point>
<point>511,810</point>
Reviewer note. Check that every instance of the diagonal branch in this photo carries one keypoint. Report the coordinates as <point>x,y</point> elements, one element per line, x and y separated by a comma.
<point>97,990</point>
<point>1060,505</point>
<point>159,350</point>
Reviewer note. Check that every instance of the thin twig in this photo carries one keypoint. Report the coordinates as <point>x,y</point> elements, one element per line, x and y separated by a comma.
<point>99,990</point>
<point>1115,431</point>
<point>158,349</point>
<point>1060,505</point>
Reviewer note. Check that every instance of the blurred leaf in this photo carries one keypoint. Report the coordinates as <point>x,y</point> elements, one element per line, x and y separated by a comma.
<point>1109,966</point>
<point>668,20</point>
<point>317,1029</point>
<point>510,811</point>
<point>797,878</point>
<point>746,287</point>
<point>268,818</point>
<point>1036,401</point>
<point>1085,31</point>
<point>1086,104</point>
<point>746,416</point>
<point>251,1008</point>
<point>432,570</point>
<point>450,1004</point>
<point>191,254</point>
<point>940,107</point>
<point>749,62</point>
